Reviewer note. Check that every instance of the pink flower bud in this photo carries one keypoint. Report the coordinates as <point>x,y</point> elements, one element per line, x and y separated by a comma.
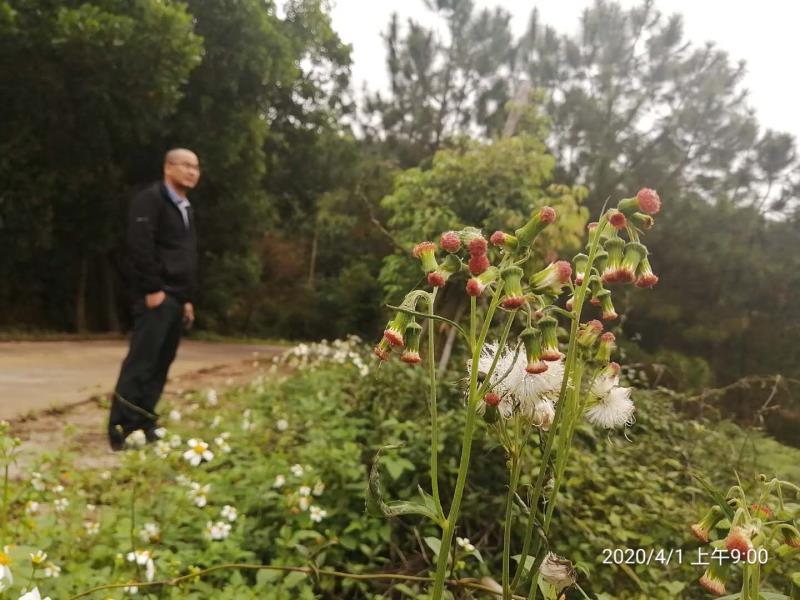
<point>478,264</point>
<point>547,215</point>
<point>498,238</point>
<point>477,246</point>
<point>552,278</point>
<point>645,277</point>
<point>616,219</point>
<point>425,252</point>
<point>738,540</point>
<point>492,399</point>
<point>476,285</point>
<point>409,357</point>
<point>436,279</point>
<point>450,241</point>
<point>648,200</point>
<point>382,350</point>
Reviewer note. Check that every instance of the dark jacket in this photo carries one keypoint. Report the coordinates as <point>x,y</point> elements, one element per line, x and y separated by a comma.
<point>163,252</point>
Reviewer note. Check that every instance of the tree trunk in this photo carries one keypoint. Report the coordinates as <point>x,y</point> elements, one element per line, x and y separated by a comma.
<point>447,349</point>
<point>312,266</point>
<point>521,98</point>
<point>112,318</point>
<point>80,296</point>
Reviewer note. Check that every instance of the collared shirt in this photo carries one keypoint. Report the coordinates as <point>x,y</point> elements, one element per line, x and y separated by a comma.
<point>182,203</point>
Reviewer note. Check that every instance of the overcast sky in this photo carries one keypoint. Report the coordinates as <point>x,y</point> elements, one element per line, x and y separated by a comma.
<point>761,32</point>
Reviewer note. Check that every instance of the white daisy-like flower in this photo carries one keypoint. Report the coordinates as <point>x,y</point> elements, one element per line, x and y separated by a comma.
<point>297,470</point>
<point>304,503</point>
<point>160,432</point>
<point>282,425</point>
<point>91,527</point>
<point>38,557</point>
<point>217,531</point>
<point>222,444</point>
<point>162,448</point>
<point>317,514</point>
<point>198,452</point>
<point>319,487</point>
<point>136,439</point>
<point>614,411</point>
<point>34,594</point>
<point>211,397</point>
<point>143,558</point>
<point>51,570</point>
<point>465,544</point>
<point>280,481</point>
<point>304,490</point>
<point>229,512</point>
<point>199,493</point>
<point>150,532</point>
<point>60,504</point>
<point>31,507</point>
<point>6,576</point>
<point>37,482</point>
<point>131,589</point>
<point>175,415</point>
<point>557,571</point>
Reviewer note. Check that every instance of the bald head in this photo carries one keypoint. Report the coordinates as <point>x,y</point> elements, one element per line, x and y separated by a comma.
<point>181,169</point>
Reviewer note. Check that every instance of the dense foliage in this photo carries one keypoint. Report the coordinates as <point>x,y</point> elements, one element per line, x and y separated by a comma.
<point>300,451</point>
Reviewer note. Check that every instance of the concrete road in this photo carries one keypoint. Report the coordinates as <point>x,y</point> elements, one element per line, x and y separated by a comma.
<point>40,375</point>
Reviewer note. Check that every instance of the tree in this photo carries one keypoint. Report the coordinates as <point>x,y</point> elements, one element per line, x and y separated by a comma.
<point>84,83</point>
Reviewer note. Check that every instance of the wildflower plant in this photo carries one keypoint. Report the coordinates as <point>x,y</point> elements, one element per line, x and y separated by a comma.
<point>745,539</point>
<point>524,382</point>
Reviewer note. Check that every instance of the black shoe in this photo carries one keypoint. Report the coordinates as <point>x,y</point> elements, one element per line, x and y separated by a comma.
<point>150,434</point>
<point>116,439</point>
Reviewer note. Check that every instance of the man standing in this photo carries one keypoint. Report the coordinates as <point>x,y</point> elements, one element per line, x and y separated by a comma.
<point>163,252</point>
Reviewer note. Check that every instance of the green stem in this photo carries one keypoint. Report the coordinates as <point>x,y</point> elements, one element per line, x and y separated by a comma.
<point>434,410</point>
<point>580,297</point>
<point>423,315</point>
<point>516,467</point>
<point>5,502</point>
<point>466,444</point>
<point>473,321</point>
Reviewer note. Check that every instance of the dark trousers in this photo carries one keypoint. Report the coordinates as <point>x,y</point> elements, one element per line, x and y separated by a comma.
<point>156,334</point>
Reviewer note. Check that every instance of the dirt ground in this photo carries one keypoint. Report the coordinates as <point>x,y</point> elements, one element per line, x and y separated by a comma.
<point>54,391</point>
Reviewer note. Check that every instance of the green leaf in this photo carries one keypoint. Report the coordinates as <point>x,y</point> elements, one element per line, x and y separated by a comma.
<point>435,544</point>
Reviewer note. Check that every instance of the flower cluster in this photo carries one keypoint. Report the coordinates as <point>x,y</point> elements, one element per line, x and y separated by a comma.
<point>742,533</point>
<point>348,351</point>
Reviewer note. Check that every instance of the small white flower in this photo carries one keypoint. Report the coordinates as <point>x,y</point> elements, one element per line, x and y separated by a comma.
<point>304,503</point>
<point>280,481</point>
<point>199,494</point>
<point>175,440</point>
<point>282,425</point>
<point>160,432</point>
<point>216,422</point>
<point>222,444</point>
<point>217,531</point>
<point>38,557</point>
<point>33,595</point>
<point>143,558</point>
<point>105,475</point>
<point>58,489</point>
<point>175,415</point>
<point>465,544</point>
<point>37,482</point>
<point>31,507</point>
<point>304,490</point>
<point>319,487</point>
<point>60,504</point>
<point>52,570</point>
<point>229,512</point>
<point>6,577</point>
<point>317,514</point>
<point>131,589</point>
<point>150,532</point>
<point>136,439</point>
<point>614,411</point>
<point>211,397</point>
<point>193,407</point>
<point>162,448</point>
<point>297,470</point>
<point>198,452</point>
<point>91,527</point>
<point>90,507</point>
